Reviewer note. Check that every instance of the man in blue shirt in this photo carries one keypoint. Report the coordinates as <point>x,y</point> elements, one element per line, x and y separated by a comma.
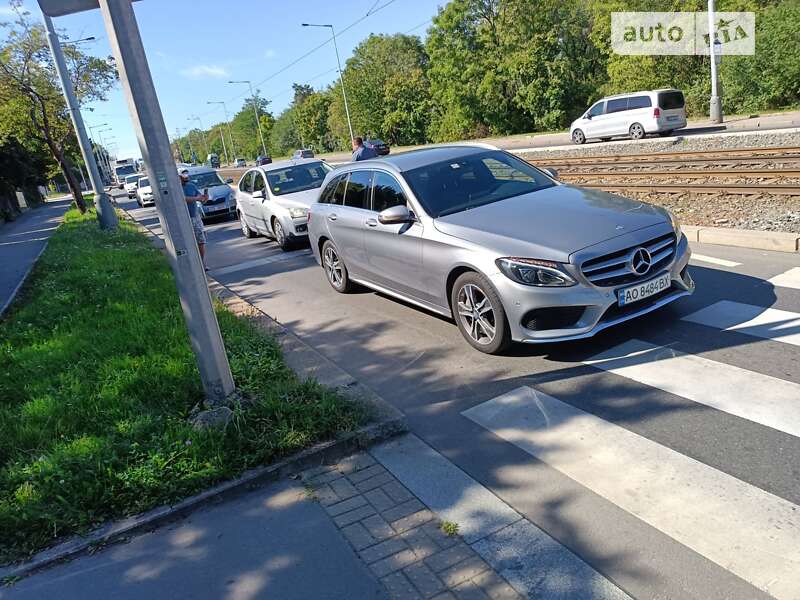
<point>361,152</point>
<point>193,196</point>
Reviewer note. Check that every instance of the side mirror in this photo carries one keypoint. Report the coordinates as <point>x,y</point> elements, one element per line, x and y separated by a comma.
<point>395,215</point>
<point>229,180</point>
<point>258,195</point>
<point>587,116</point>
<point>552,172</point>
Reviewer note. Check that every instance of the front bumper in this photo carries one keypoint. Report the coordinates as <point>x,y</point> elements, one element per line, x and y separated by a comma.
<point>600,309</point>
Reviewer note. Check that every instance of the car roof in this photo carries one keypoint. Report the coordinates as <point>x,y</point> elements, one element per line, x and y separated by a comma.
<point>197,170</point>
<point>282,164</point>
<point>626,94</point>
<point>407,161</point>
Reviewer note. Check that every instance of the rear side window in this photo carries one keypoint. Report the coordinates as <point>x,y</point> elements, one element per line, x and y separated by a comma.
<point>617,105</point>
<point>596,110</point>
<point>670,100</point>
<point>358,190</point>
<point>639,102</point>
<point>246,184</point>
<point>326,197</point>
<point>338,191</point>
<point>387,192</point>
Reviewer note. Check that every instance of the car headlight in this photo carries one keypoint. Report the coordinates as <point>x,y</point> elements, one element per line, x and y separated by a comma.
<point>531,271</point>
<point>298,213</point>
<point>676,227</point>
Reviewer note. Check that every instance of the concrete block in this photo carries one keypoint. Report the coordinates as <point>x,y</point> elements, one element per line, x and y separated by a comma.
<point>746,238</point>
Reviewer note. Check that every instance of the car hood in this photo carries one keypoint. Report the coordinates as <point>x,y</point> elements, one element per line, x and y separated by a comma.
<point>218,191</point>
<point>550,224</point>
<point>302,199</point>
<point>146,189</point>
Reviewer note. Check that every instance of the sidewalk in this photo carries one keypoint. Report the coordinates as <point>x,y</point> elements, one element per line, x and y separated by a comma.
<point>21,243</point>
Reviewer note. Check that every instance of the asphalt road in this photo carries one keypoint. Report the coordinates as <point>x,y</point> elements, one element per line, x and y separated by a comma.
<point>664,452</point>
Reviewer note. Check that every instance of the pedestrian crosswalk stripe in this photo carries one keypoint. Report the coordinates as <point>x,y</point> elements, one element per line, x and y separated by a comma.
<point>789,279</point>
<point>259,262</point>
<point>759,398</point>
<point>746,530</point>
<point>768,323</point>
<point>715,261</point>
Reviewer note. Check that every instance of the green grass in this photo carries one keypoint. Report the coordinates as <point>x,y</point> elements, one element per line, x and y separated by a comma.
<point>97,379</point>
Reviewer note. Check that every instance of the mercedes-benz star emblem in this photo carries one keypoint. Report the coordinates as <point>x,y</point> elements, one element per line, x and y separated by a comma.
<point>640,261</point>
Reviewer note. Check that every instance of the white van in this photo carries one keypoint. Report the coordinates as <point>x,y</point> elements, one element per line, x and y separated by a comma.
<point>634,115</point>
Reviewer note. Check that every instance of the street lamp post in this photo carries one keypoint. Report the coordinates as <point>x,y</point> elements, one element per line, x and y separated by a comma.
<point>106,215</point>
<point>184,256</point>
<point>341,75</point>
<point>103,164</point>
<point>228,122</point>
<point>202,133</point>
<point>715,108</point>
<point>255,108</point>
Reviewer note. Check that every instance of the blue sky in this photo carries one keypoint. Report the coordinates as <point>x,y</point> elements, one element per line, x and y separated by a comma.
<point>195,46</point>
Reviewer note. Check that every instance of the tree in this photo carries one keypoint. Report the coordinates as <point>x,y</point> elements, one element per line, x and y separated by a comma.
<point>284,136</point>
<point>32,104</point>
<point>311,120</point>
<point>245,129</point>
<point>19,168</point>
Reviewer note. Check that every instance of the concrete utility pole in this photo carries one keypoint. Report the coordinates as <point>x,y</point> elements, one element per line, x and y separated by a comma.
<point>224,149</point>
<point>137,84</point>
<point>106,215</point>
<point>228,122</point>
<point>715,108</point>
<point>255,108</point>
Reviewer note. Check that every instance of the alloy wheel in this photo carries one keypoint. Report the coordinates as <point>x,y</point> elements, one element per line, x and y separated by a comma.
<point>637,131</point>
<point>578,136</point>
<point>280,236</point>
<point>477,314</point>
<point>333,267</point>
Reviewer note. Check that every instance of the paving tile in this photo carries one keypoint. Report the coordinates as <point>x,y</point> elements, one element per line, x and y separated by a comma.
<point>495,586</point>
<point>379,499</point>
<point>419,542</point>
<point>396,491</point>
<point>325,495</point>
<point>445,596</point>
<point>383,549</point>
<point>315,472</point>
<point>344,506</point>
<point>354,515</point>
<point>378,527</point>
<point>402,510</point>
<point>354,463</point>
<point>358,536</point>
<point>434,531</point>
<point>426,582</point>
<point>393,563</point>
<point>359,476</point>
<point>326,477</point>
<point>399,587</point>
<point>461,572</point>
<point>448,558</point>
<point>374,482</point>
<point>413,520</point>
<point>470,591</point>
<point>343,488</point>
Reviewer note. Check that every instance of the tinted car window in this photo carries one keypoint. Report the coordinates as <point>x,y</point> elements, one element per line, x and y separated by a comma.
<point>617,105</point>
<point>596,110</point>
<point>258,182</point>
<point>670,100</point>
<point>297,178</point>
<point>327,194</point>
<point>358,189</point>
<point>334,193</point>
<point>451,186</point>
<point>144,182</point>
<point>246,184</point>
<point>639,102</point>
<point>386,192</point>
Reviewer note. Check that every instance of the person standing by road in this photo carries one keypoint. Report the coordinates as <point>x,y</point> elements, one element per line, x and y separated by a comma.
<point>193,196</point>
<point>362,152</point>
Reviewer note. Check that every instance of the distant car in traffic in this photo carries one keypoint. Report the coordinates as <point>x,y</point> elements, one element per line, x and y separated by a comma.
<point>380,147</point>
<point>263,160</point>
<point>221,198</point>
<point>303,153</point>
<point>213,160</point>
<point>131,182</point>
<point>273,200</point>
<point>510,253</point>
<point>240,163</point>
<point>144,192</point>
<point>634,115</point>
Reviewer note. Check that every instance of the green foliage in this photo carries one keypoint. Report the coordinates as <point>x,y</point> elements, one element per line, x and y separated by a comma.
<point>285,137</point>
<point>96,382</point>
<point>311,120</point>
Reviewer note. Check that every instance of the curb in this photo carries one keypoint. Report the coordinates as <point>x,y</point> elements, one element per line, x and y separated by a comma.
<point>306,362</point>
<point>22,281</point>
<point>776,241</point>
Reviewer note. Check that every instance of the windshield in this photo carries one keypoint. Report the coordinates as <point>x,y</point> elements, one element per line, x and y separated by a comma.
<point>131,178</point>
<point>207,179</point>
<point>452,186</point>
<point>124,170</point>
<point>144,182</point>
<point>297,178</point>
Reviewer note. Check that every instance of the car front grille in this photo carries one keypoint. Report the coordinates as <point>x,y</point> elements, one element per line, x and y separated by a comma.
<point>212,201</point>
<point>614,268</point>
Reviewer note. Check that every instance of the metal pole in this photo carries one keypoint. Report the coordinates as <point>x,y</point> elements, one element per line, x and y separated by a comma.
<point>202,134</point>
<point>258,119</point>
<point>341,79</point>
<point>715,109</point>
<point>83,178</point>
<point>105,212</point>
<point>137,84</point>
<point>228,124</point>
<point>224,149</point>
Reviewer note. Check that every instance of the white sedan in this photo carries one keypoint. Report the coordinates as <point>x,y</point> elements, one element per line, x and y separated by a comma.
<point>273,200</point>
<point>144,193</point>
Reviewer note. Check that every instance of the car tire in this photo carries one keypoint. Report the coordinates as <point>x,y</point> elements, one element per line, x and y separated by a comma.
<point>578,137</point>
<point>246,231</point>
<point>335,269</point>
<point>281,238</point>
<point>636,131</point>
<point>487,332</point>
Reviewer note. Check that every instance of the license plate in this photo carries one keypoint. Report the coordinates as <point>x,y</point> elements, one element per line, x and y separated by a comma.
<point>672,118</point>
<point>215,208</point>
<point>640,291</point>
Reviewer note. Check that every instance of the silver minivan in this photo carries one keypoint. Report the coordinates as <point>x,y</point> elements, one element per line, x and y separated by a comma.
<point>633,115</point>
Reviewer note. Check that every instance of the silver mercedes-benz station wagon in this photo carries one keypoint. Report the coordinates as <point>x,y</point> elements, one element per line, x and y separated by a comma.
<point>507,250</point>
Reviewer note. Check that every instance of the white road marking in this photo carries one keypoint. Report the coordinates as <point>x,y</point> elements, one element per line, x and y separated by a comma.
<point>742,528</point>
<point>789,279</point>
<point>259,262</point>
<point>759,398</point>
<point>512,545</point>
<point>768,323</point>
<point>715,261</point>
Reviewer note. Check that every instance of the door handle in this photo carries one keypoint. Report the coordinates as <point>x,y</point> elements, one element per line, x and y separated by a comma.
<point>371,223</point>
<point>332,217</point>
